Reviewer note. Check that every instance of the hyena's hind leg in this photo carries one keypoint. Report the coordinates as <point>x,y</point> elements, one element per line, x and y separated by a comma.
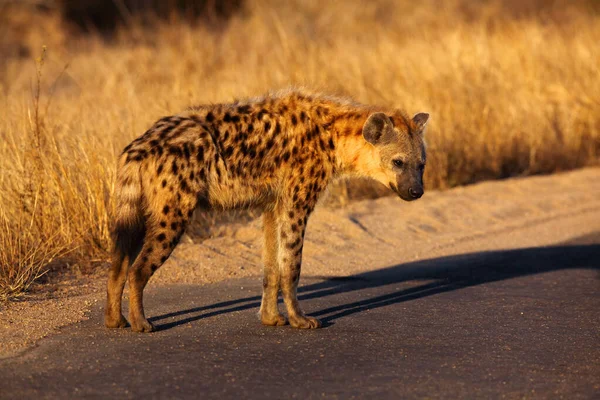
<point>162,237</point>
<point>128,242</point>
<point>113,318</point>
<point>165,228</point>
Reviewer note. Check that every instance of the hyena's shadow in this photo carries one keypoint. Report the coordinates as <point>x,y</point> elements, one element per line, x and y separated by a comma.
<point>443,275</point>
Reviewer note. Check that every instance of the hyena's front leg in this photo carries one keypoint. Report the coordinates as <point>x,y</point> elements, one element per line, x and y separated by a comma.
<point>291,241</point>
<point>269,312</point>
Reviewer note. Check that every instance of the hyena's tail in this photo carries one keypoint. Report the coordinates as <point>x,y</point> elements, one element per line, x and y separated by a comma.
<point>129,224</point>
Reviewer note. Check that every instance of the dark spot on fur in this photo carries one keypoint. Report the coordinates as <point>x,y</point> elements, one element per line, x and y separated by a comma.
<point>243,109</point>
<point>244,149</point>
<point>174,167</point>
<point>293,244</point>
<point>174,150</point>
<point>163,259</point>
<point>209,117</point>
<point>270,143</point>
<point>161,237</point>
<point>225,136</point>
<point>294,120</point>
<point>166,210</point>
<point>163,224</point>
<point>164,183</point>
<point>261,153</point>
<point>184,186</point>
<point>166,130</point>
<point>159,170</point>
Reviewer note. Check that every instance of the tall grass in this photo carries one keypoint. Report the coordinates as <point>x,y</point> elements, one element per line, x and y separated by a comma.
<point>510,93</point>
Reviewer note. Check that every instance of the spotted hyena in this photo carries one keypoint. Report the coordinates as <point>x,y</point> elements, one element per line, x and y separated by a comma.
<point>277,153</point>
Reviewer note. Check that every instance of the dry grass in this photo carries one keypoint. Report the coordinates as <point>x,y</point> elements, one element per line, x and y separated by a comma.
<point>510,93</point>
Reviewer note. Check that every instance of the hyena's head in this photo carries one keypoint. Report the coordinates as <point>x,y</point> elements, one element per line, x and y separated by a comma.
<point>400,149</point>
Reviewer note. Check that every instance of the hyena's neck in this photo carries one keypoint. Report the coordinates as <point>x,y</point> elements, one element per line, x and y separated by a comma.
<point>354,156</point>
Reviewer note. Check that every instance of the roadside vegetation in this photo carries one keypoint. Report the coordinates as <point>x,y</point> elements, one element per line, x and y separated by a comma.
<point>512,88</point>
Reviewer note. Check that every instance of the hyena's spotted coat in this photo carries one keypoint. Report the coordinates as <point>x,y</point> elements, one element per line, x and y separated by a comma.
<point>278,153</point>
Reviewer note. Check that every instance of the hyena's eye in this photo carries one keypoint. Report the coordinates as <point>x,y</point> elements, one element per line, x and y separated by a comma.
<point>398,163</point>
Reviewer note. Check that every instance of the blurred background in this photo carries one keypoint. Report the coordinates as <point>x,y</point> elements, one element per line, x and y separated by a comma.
<point>512,88</point>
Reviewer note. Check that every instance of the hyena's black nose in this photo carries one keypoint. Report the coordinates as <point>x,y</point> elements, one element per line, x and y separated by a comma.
<point>415,193</point>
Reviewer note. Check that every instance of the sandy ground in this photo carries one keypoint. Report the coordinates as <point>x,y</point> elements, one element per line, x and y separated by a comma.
<point>364,236</point>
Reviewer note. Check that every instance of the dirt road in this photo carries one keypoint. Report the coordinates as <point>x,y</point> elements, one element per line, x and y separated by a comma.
<point>485,291</point>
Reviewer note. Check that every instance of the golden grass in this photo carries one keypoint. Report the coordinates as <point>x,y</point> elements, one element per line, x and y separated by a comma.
<point>508,95</point>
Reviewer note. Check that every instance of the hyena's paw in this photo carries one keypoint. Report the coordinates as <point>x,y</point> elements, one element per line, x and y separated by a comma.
<point>273,320</point>
<point>142,326</point>
<point>304,322</point>
<point>112,322</point>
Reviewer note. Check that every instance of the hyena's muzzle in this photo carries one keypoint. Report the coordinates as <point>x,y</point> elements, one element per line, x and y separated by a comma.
<point>410,187</point>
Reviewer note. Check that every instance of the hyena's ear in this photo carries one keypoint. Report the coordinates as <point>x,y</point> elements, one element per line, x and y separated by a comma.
<point>420,121</point>
<point>375,127</point>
